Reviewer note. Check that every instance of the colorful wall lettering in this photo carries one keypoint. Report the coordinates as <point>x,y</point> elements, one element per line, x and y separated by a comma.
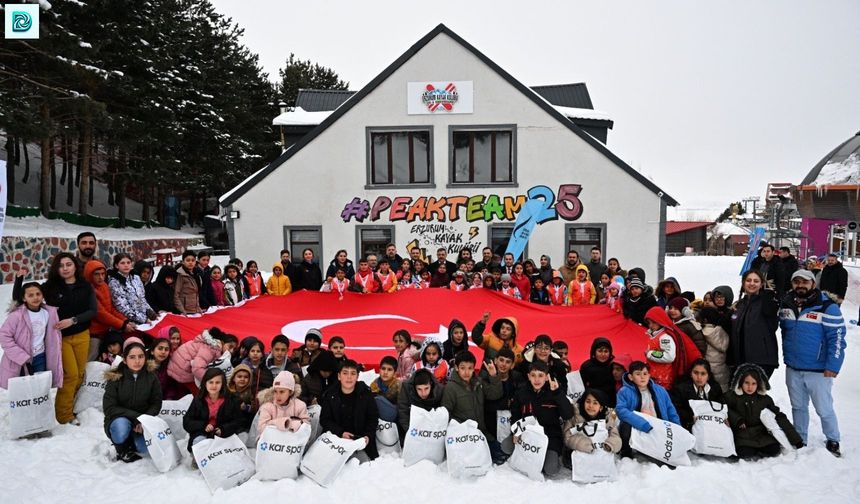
<point>430,237</point>
<point>564,204</point>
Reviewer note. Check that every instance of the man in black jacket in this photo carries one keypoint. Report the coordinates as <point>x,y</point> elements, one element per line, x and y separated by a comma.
<point>789,265</point>
<point>834,278</point>
<point>290,269</point>
<point>349,410</point>
<point>771,267</point>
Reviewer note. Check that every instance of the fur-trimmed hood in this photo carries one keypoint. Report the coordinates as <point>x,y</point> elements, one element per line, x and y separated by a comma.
<point>750,369</point>
<point>267,395</point>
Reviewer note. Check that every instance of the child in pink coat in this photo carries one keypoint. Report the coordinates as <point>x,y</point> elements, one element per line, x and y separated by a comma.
<point>281,406</point>
<point>30,339</point>
<point>192,358</point>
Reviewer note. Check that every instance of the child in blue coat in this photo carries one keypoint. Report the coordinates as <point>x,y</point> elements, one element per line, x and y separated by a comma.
<point>640,393</point>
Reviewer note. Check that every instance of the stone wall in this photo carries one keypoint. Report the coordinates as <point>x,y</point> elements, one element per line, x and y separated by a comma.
<point>35,253</point>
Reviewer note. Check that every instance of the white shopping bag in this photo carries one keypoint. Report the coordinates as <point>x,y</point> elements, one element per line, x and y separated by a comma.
<point>279,452</point>
<point>160,443</point>
<point>425,439</point>
<point>327,456</point>
<point>575,387</point>
<point>224,462</point>
<point>530,452</point>
<point>223,363</point>
<point>387,437</point>
<point>368,377</point>
<point>251,440</point>
<point>768,418</point>
<point>173,412</point>
<point>314,414</point>
<point>598,465</point>
<point>711,429</point>
<point>467,450</point>
<point>503,430</point>
<point>31,407</point>
<point>92,389</point>
<point>667,442</point>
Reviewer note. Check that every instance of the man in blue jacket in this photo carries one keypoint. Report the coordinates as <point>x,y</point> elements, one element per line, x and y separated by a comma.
<point>813,346</point>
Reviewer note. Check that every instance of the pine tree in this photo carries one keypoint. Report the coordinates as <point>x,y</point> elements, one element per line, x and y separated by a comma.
<point>298,74</point>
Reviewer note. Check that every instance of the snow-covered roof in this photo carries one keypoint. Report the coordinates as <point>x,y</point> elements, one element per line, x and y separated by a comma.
<point>301,117</point>
<point>839,167</point>
<point>581,113</point>
<point>845,172</point>
<point>728,229</point>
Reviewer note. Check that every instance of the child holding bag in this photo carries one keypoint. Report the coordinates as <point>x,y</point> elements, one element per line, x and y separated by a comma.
<point>746,401</point>
<point>281,406</point>
<point>213,412</point>
<point>30,340</point>
<point>591,407</point>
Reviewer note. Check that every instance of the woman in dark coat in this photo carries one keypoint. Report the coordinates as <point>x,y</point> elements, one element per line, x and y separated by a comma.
<point>754,324</point>
<point>131,390</point>
<point>308,273</point>
<point>340,261</point>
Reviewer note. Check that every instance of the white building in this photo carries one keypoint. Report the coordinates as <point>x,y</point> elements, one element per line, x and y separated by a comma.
<point>441,149</point>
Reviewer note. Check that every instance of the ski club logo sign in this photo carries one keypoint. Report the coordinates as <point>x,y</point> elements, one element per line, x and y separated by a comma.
<point>439,97</point>
<point>22,21</point>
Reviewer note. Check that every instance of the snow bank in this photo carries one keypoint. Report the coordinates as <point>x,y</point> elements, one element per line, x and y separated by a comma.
<point>75,462</point>
<point>40,227</point>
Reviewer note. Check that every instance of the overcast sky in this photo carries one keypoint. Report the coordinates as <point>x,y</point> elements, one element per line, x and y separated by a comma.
<point>712,100</point>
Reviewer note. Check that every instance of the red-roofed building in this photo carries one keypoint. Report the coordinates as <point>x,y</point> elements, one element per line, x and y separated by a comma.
<point>686,237</point>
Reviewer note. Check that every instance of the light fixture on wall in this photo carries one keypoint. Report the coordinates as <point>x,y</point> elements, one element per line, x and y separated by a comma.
<point>234,214</point>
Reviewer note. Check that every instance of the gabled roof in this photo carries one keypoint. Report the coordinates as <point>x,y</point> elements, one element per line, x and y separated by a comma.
<point>318,100</point>
<point>237,192</point>
<point>673,227</point>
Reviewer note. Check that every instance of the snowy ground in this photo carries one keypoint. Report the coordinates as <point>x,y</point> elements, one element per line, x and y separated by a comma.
<point>74,465</point>
<point>40,227</point>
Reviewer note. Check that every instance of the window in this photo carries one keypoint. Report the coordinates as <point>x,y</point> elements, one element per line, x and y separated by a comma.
<point>483,156</point>
<point>581,237</point>
<point>298,238</point>
<point>499,235</point>
<point>399,157</point>
<point>373,239</point>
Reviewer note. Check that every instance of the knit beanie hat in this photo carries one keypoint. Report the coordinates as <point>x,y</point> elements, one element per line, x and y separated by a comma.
<point>314,334</point>
<point>679,303</point>
<point>635,282</point>
<point>285,380</point>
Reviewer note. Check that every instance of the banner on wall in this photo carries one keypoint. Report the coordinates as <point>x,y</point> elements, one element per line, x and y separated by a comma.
<point>439,97</point>
<point>367,322</point>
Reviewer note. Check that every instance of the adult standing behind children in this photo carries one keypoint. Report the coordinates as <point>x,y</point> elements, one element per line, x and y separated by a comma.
<point>813,348</point>
<point>308,272</point>
<point>76,306</point>
<point>754,324</point>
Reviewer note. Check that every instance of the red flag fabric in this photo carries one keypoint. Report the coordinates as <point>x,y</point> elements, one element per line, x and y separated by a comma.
<point>368,321</point>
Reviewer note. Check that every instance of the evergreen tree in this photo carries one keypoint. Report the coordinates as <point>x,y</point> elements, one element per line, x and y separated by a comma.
<point>298,74</point>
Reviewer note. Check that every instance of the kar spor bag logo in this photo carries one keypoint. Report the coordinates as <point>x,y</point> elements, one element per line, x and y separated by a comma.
<point>528,447</point>
<point>280,448</point>
<point>339,449</point>
<point>427,434</point>
<point>35,401</point>
<point>468,438</point>
<point>385,426</point>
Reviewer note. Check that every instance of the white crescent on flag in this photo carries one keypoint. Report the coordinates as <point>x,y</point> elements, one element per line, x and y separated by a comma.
<point>297,330</point>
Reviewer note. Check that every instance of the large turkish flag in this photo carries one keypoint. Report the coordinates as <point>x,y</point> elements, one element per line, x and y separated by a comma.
<point>367,322</point>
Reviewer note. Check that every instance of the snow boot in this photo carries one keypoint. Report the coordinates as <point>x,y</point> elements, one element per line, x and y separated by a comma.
<point>126,452</point>
<point>833,447</point>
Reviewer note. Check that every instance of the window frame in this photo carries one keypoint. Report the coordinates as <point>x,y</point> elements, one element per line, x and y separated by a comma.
<point>368,141</point>
<point>491,227</point>
<point>288,244</point>
<point>512,128</point>
<point>359,253</point>
<point>600,225</point>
